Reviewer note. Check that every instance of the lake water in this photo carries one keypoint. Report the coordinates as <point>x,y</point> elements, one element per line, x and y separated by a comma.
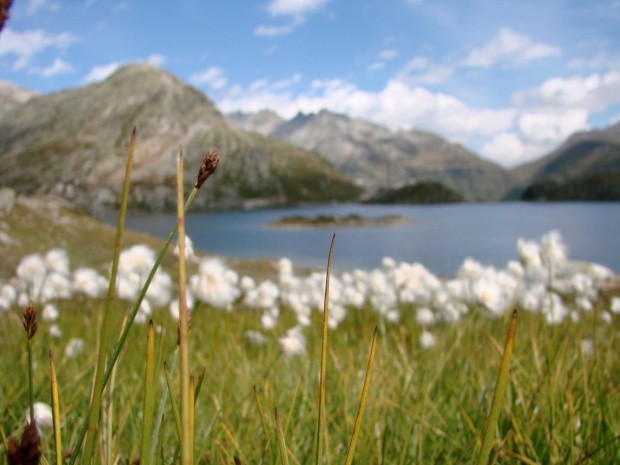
<point>438,236</point>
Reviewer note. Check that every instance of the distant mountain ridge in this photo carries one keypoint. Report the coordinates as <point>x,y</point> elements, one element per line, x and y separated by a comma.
<point>73,143</point>
<point>583,154</point>
<point>375,157</point>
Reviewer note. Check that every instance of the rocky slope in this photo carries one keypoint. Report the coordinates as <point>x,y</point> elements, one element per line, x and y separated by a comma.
<point>12,96</point>
<point>375,157</point>
<point>581,156</point>
<point>74,143</point>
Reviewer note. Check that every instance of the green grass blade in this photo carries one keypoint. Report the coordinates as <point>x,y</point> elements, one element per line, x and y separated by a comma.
<point>186,432</point>
<point>263,421</point>
<point>498,396</point>
<point>281,440</point>
<point>157,422</point>
<point>363,398</point>
<point>55,411</point>
<point>175,408</point>
<point>148,412</point>
<point>104,330</point>
<point>321,416</point>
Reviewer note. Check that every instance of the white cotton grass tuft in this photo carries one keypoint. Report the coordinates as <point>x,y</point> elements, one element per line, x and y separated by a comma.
<point>57,261</point>
<point>215,284</point>
<point>255,338</point>
<point>8,295</point>
<point>427,340</point>
<point>173,307</point>
<point>50,312</point>
<point>189,248</point>
<point>425,317</point>
<point>88,282</point>
<point>74,347</point>
<point>55,331</point>
<point>293,342</point>
<point>42,416</point>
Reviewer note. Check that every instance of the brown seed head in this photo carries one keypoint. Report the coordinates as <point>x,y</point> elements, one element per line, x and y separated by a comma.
<point>208,166</point>
<point>29,320</point>
<point>28,451</point>
<point>5,5</point>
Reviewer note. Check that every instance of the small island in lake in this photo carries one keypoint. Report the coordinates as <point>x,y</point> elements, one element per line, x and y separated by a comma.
<point>352,220</point>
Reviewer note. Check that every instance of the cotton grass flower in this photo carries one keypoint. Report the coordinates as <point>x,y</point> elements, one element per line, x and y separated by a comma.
<point>425,317</point>
<point>74,347</point>
<point>427,340</point>
<point>42,416</point>
<point>54,331</point>
<point>215,284</point>
<point>293,343</point>
<point>89,283</point>
<point>50,312</point>
<point>57,261</point>
<point>8,295</point>
<point>255,338</point>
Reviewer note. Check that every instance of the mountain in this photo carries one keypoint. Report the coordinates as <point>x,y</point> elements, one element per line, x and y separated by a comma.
<point>579,158</point>
<point>264,122</point>
<point>12,96</point>
<point>74,143</point>
<point>375,157</point>
<point>593,187</point>
<point>425,192</point>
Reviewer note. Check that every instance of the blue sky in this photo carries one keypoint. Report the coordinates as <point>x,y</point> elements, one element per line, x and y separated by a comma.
<point>508,79</point>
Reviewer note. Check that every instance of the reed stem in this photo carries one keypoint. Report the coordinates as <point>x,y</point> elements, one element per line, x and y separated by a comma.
<point>186,422</point>
<point>321,419</point>
<point>104,330</point>
<point>498,396</point>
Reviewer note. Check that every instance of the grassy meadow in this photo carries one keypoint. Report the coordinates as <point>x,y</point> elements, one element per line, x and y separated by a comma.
<point>428,400</point>
<point>424,406</point>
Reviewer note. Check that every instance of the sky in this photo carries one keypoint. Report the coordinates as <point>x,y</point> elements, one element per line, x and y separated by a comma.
<point>508,79</point>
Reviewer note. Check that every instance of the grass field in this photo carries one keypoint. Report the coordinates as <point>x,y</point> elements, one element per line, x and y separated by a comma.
<point>258,355</point>
<point>425,405</point>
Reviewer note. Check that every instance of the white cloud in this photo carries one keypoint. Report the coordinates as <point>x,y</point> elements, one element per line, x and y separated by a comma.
<point>594,92</point>
<point>383,57</point>
<point>294,7</point>
<point>156,59</point>
<point>505,148</point>
<point>295,10</point>
<point>549,128</point>
<point>397,105</point>
<point>273,31</point>
<point>58,67</point>
<point>25,45</point>
<point>99,73</point>
<point>388,54</point>
<point>376,65</point>
<point>213,76</point>
<point>509,46</point>
<point>420,71</point>
<point>33,6</point>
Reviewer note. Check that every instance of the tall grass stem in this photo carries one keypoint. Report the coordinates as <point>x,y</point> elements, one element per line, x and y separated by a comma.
<point>322,376</point>
<point>498,396</point>
<point>55,411</point>
<point>363,398</point>
<point>99,385</point>
<point>186,432</point>
<point>281,440</point>
<point>148,411</point>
